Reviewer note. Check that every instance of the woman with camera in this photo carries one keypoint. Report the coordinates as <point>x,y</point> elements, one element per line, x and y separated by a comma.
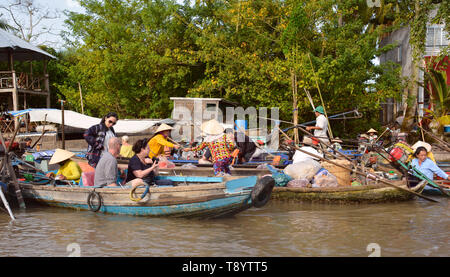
<point>141,168</point>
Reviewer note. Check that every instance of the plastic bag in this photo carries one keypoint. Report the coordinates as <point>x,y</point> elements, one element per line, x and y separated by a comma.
<point>303,170</point>
<point>189,165</point>
<point>299,183</point>
<point>165,163</point>
<point>325,179</point>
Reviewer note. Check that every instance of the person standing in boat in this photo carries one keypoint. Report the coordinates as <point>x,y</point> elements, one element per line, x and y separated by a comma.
<point>219,145</point>
<point>159,140</point>
<point>425,165</point>
<point>68,169</point>
<point>97,137</point>
<point>321,127</point>
<point>106,172</point>
<point>143,169</point>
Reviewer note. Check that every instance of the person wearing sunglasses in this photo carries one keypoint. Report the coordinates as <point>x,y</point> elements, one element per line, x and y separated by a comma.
<point>97,137</point>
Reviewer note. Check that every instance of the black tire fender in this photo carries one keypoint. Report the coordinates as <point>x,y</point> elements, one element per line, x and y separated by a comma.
<point>261,191</point>
<point>92,195</point>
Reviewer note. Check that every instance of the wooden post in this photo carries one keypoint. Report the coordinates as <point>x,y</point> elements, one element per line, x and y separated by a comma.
<point>47,84</point>
<point>5,202</point>
<point>15,98</point>
<point>81,98</point>
<point>63,146</point>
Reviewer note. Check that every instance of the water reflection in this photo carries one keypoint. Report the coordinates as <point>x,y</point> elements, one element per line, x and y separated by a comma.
<point>414,228</point>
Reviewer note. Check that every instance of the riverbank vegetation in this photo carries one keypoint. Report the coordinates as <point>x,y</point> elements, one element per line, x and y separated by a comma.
<point>131,56</point>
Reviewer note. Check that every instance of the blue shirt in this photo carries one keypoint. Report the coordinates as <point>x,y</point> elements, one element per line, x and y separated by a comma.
<point>428,168</point>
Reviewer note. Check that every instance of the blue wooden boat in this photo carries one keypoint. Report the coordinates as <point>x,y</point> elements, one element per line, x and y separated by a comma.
<point>191,196</point>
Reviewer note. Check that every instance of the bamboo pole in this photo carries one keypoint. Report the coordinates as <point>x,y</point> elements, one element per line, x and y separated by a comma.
<point>321,99</point>
<point>43,131</point>
<point>81,98</point>
<point>5,202</point>
<point>366,175</point>
<point>63,146</point>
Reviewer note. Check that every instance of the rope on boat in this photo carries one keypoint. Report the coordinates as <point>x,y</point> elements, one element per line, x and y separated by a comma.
<point>136,199</point>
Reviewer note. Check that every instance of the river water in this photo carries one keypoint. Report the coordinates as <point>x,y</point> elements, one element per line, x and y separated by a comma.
<point>279,229</point>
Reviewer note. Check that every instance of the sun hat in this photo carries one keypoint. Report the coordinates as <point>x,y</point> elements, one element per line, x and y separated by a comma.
<point>163,127</point>
<point>421,144</point>
<point>372,131</point>
<point>337,139</point>
<point>212,127</point>
<point>60,156</point>
<point>319,109</point>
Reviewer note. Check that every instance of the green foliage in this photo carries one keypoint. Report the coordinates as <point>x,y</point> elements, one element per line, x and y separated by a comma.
<point>132,56</point>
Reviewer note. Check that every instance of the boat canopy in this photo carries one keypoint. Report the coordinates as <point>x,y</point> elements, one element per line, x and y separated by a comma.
<point>77,120</point>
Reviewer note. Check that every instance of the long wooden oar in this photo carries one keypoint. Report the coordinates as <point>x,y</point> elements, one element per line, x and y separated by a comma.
<point>366,175</point>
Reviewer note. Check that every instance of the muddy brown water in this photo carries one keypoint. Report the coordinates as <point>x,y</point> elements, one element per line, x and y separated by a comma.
<point>279,229</point>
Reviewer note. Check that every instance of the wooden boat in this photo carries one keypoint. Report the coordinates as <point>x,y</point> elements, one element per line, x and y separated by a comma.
<point>364,193</point>
<point>204,197</point>
<point>371,193</point>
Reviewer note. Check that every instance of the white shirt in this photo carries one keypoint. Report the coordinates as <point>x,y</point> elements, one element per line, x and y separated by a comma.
<point>322,122</point>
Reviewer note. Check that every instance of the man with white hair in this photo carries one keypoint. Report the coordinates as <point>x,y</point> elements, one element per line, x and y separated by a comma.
<point>106,172</point>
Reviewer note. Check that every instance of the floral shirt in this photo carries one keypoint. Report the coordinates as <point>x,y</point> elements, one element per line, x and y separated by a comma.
<point>220,148</point>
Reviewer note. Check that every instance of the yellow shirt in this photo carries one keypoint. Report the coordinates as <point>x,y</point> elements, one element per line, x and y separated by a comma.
<point>71,170</point>
<point>156,145</point>
<point>126,151</point>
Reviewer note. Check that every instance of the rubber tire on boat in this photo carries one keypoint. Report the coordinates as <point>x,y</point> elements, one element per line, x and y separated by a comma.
<point>261,191</point>
<point>92,195</point>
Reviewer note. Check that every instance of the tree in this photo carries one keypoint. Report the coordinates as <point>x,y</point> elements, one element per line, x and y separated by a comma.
<point>29,20</point>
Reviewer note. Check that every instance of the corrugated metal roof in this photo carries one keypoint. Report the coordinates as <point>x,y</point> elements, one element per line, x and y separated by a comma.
<point>22,50</point>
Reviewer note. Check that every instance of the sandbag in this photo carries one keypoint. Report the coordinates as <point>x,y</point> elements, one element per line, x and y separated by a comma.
<point>303,170</point>
<point>301,156</point>
<point>299,183</point>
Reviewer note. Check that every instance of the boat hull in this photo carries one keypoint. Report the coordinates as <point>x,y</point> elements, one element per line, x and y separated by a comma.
<point>193,200</point>
<point>359,194</point>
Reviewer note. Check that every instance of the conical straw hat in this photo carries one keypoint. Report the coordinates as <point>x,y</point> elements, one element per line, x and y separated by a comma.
<point>423,144</point>
<point>163,127</point>
<point>372,131</point>
<point>212,127</point>
<point>60,156</point>
<point>337,139</point>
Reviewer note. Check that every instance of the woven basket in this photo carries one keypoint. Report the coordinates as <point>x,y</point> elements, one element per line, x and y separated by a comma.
<point>342,175</point>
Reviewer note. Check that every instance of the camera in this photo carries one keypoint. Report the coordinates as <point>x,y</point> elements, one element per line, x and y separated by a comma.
<point>155,160</point>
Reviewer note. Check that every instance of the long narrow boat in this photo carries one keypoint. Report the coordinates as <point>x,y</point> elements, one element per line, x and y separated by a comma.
<point>348,194</point>
<point>204,197</point>
<point>365,193</point>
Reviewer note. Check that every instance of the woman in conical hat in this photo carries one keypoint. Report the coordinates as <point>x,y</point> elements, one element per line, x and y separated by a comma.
<point>159,140</point>
<point>372,134</point>
<point>219,144</point>
<point>68,169</point>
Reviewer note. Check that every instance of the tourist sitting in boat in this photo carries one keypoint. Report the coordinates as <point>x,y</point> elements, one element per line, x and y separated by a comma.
<point>106,172</point>
<point>97,137</point>
<point>219,145</point>
<point>68,169</point>
<point>244,144</point>
<point>126,150</point>
<point>426,165</point>
<point>143,169</point>
<point>159,140</point>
